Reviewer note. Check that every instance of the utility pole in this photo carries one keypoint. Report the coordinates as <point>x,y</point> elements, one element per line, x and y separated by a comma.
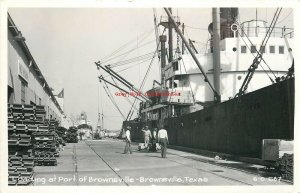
<point>170,38</point>
<point>163,40</point>
<point>216,49</point>
<point>182,49</point>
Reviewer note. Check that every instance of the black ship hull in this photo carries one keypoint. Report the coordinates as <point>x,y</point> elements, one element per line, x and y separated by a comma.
<point>236,126</point>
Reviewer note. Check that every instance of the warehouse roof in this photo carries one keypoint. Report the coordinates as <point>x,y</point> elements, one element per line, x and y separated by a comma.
<point>15,32</point>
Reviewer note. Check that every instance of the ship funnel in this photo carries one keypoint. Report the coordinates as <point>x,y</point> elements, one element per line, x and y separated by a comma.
<point>227,17</point>
<point>228,14</point>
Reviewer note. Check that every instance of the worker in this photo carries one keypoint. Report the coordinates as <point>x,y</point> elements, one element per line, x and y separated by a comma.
<point>163,140</point>
<point>147,136</point>
<point>128,141</point>
<point>154,139</point>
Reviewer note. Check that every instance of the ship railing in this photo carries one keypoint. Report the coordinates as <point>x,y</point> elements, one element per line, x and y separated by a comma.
<point>290,34</point>
<point>278,32</point>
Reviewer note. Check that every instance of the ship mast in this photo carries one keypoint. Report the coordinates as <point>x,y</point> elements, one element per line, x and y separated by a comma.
<point>170,37</point>
<point>217,97</point>
<point>216,49</point>
<point>163,40</point>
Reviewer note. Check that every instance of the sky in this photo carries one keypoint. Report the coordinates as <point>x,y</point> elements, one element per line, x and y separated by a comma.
<point>65,43</point>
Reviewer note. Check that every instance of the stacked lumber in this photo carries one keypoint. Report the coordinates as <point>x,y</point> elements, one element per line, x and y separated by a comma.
<point>26,114</point>
<point>20,159</point>
<point>23,120</point>
<point>71,136</point>
<point>44,148</point>
<point>285,166</point>
<point>60,136</point>
<point>32,140</point>
<point>52,124</point>
<point>61,132</point>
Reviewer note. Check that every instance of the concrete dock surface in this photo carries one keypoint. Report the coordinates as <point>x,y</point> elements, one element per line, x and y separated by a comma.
<point>102,162</point>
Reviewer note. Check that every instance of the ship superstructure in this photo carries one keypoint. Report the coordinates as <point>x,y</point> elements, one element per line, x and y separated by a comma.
<point>228,99</point>
<point>183,88</point>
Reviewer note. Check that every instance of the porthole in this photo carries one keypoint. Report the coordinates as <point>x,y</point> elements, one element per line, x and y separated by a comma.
<point>234,49</point>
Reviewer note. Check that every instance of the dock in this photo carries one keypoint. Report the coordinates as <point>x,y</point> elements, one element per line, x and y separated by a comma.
<point>102,163</point>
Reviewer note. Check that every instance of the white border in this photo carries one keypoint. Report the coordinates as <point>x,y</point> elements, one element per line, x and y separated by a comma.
<point>5,4</point>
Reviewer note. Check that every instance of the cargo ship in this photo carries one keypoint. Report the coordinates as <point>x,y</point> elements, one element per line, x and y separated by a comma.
<point>228,99</point>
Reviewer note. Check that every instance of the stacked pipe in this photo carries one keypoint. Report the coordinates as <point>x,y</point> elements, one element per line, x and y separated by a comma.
<point>44,147</point>
<point>23,120</point>
<point>53,125</point>
<point>20,159</point>
<point>32,140</point>
<point>46,144</point>
<point>285,166</point>
<point>58,132</point>
<point>61,132</point>
<point>71,136</point>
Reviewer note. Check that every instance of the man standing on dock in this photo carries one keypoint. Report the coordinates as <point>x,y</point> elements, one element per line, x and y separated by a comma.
<point>128,141</point>
<point>163,141</point>
<point>147,136</point>
<point>154,137</point>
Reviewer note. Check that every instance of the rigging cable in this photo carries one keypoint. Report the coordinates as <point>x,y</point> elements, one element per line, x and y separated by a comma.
<point>285,17</point>
<point>101,102</point>
<point>275,22</point>
<point>254,57</point>
<point>131,60</point>
<point>110,97</point>
<point>98,109</point>
<point>128,67</point>
<point>189,83</point>
<point>123,46</point>
<point>258,58</point>
<point>127,52</point>
<point>251,45</point>
<point>157,32</point>
<point>127,99</point>
<point>155,26</point>
<point>198,28</point>
<point>268,34</point>
<point>143,82</point>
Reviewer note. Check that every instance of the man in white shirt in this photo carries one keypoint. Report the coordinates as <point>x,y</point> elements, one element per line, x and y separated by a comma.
<point>163,141</point>
<point>147,136</point>
<point>128,141</point>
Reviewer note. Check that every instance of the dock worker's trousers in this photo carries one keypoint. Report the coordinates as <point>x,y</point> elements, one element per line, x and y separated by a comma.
<point>128,147</point>
<point>163,144</point>
<point>146,142</point>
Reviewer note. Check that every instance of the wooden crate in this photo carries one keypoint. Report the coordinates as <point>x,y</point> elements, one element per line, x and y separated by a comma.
<point>272,149</point>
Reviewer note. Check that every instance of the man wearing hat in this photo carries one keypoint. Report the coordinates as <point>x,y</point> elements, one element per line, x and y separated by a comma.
<point>128,141</point>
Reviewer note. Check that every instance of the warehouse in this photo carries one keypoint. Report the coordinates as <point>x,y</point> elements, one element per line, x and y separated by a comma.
<point>35,117</point>
<point>26,83</point>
